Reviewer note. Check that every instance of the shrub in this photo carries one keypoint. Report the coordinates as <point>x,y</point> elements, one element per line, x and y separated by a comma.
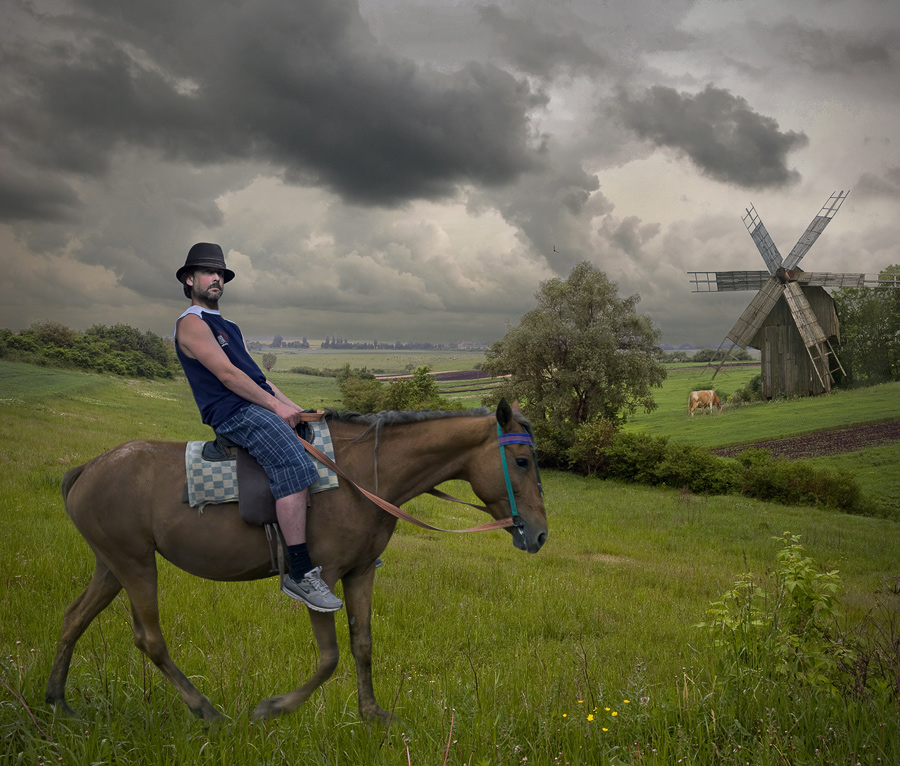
<point>752,392</point>
<point>686,465</point>
<point>420,392</point>
<point>782,629</point>
<point>764,477</point>
<point>361,392</point>
<point>635,457</point>
<point>588,453</point>
<point>120,349</point>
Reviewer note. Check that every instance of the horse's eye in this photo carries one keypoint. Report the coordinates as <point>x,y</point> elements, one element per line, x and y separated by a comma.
<point>522,462</point>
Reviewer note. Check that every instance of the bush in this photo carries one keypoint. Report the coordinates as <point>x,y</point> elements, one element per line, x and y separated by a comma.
<point>119,349</point>
<point>781,630</point>
<point>361,392</point>
<point>635,457</point>
<point>685,465</point>
<point>643,459</point>
<point>752,392</point>
<point>764,477</point>
<point>588,453</point>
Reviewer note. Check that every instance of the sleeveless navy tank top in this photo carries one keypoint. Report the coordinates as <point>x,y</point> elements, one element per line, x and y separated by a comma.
<point>216,402</point>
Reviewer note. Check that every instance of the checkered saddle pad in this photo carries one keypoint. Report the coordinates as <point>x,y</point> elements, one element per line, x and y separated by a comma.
<point>212,482</point>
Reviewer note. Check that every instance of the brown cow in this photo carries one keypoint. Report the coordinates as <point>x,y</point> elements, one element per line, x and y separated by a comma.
<point>704,399</point>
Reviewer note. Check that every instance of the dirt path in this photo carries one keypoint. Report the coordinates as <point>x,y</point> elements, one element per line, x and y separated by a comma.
<point>823,443</point>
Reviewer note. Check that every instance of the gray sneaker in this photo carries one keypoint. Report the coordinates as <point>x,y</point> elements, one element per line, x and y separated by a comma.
<point>312,591</point>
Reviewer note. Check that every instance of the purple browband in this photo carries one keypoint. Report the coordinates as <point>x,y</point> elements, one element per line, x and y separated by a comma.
<point>518,438</point>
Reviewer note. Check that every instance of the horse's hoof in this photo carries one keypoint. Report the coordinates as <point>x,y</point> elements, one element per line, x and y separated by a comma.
<point>61,707</point>
<point>378,714</point>
<point>210,715</point>
<point>269,708</point>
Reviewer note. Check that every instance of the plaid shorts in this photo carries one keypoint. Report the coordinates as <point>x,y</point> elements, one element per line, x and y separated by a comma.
<point>275,446</point>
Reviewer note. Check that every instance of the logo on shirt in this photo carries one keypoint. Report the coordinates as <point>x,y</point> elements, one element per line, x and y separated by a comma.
<point>222,340</point>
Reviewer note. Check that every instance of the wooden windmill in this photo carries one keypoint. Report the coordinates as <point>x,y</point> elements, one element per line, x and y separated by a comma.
<point>791,319</point>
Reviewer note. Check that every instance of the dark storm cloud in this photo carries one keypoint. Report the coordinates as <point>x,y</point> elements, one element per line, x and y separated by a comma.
<point>719,132</point>
<point>832,50</point>
<point>538,51</point>
<point>24,197</point>
<point>302,86</point>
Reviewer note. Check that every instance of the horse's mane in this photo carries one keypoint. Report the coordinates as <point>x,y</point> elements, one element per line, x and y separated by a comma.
<point>375,421</point>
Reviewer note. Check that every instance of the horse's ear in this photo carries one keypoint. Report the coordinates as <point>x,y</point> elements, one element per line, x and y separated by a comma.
<point>504,413</point>
<point>516,408</point>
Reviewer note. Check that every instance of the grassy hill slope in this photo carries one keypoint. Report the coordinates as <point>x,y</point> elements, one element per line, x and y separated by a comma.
<point>585,653</point>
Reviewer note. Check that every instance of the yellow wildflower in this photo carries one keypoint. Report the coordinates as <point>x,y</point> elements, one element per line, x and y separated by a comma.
<point>590,716</point>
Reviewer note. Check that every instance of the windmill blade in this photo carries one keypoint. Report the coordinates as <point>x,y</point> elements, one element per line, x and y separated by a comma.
<point>763,241</point>
<point>830,279</point>
<point>828,211</point>
<point>726,281</point>
<point>809,327</point>
<point>755,314</point>
<point>817,345</point>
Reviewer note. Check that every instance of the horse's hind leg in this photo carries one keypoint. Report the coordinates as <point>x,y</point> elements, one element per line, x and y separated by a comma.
<point>96,597</point>
<point>140,585</point>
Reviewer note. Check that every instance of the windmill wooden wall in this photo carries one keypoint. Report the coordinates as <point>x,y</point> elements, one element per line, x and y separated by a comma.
<point>786,368</point>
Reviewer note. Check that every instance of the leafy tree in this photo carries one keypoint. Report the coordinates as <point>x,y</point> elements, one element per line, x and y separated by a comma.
<point>268,361</point>
<point>870,331</point>
<point>277,341</point>
<point>582,355</point>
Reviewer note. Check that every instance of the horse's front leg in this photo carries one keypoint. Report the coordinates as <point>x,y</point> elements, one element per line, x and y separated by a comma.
<point>326,637</point>
<point>358,602</point>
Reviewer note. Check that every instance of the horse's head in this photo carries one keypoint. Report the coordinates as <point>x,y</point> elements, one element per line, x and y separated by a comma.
<point>507,480</point>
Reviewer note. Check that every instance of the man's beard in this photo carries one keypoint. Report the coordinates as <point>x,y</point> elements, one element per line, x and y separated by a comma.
<point>208,295</point>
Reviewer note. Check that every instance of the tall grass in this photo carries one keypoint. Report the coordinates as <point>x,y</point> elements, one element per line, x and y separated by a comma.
<point>486,654</point>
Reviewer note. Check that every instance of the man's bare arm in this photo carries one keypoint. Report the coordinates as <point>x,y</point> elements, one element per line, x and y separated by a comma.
<point>197,341</point>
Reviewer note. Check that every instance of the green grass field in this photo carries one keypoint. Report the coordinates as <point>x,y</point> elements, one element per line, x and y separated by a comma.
<point>586,653</point>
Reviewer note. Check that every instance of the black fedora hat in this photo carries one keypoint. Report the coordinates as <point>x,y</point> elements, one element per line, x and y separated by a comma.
<point>205,255</point>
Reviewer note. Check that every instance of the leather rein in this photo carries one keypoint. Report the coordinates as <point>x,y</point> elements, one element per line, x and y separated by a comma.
<point>512,521</point>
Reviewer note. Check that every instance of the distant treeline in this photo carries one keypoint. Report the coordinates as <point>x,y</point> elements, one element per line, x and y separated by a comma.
<point>705,355</point>
<point>344,345</point>
<point>120,349</point>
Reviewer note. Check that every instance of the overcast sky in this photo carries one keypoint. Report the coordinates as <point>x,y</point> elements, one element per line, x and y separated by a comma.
<point>414,169</point>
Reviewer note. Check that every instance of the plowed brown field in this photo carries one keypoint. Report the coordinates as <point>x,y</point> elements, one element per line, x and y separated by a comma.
<point>823,443</point>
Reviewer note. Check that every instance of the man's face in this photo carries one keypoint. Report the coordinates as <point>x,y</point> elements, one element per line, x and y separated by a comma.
<point>207,284</point>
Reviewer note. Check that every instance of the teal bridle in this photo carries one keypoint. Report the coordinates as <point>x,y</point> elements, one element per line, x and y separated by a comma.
<point>516,438</point>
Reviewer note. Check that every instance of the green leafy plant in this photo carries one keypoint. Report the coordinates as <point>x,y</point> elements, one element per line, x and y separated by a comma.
<point>781,628</point>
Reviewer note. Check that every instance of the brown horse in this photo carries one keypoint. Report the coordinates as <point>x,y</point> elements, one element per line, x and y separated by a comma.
<point>127,504</point>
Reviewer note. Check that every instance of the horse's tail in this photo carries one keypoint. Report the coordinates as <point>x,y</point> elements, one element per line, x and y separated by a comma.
<point>69,479</point>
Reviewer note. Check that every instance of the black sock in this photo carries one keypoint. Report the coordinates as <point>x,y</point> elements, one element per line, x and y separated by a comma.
<point>300,561</point>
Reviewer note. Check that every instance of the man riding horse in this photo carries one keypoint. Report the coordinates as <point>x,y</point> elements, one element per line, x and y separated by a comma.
<point>239,403</point>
